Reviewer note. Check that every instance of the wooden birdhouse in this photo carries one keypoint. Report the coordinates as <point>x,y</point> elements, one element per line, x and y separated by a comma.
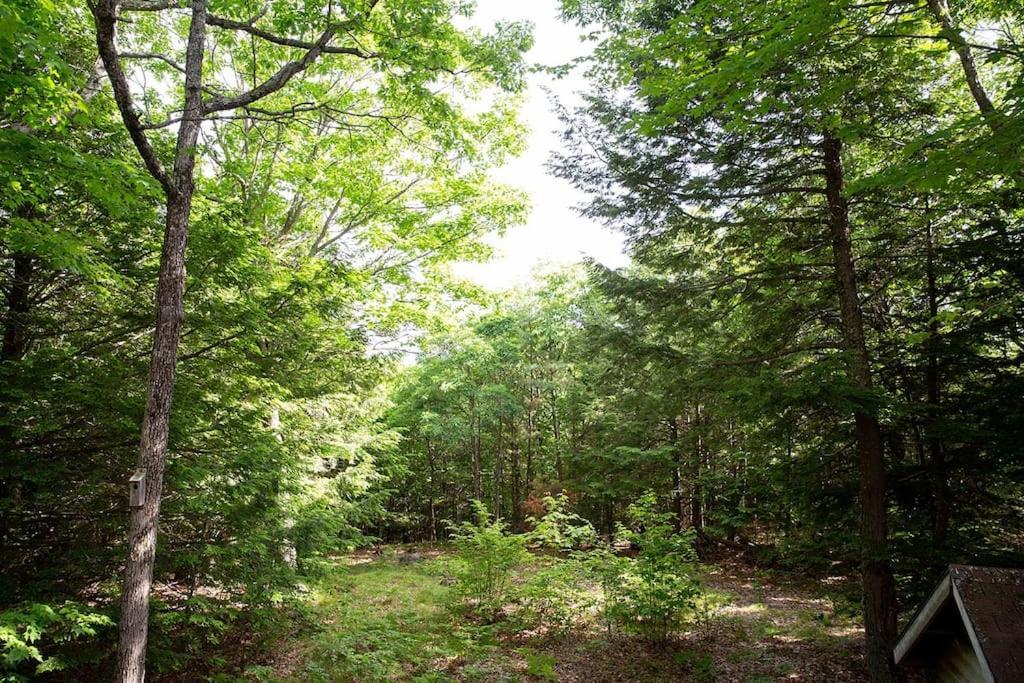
<point>137,489</point>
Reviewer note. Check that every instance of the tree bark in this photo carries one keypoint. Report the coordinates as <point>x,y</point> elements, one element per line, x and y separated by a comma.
<point>517,484</point>
<point>529,442</point>
<point>178,187</point>
<point>133,625</point>
<point>878,585</point>
<point>677,474</point>
<point>936,456</point>
<point>142,535</point>
<point>431,490</point>
<point>696,491</point>
<point>499,474</point>
<point>609,517</point>
<point>474,439</point>
<point>16,338</point>
<point>556,436</point>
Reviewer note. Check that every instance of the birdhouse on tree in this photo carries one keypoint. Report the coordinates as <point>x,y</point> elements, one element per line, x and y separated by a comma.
<point>970,629</point>
<point>137,489</point>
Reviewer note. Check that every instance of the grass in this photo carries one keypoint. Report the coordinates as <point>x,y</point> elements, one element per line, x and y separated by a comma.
<point>540,665</point>
<point>377,619</point>
<point>386,621</point>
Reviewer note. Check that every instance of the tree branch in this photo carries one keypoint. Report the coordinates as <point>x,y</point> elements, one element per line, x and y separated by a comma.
<point>277,81</point>
<point>153,5</point>
<point>222,22</point>
<point>153,55</point>
<point>104,14</point>
<point>940,10</point>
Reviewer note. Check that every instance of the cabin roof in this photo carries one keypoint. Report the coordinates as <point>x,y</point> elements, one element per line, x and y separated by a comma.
<point>990,604</point>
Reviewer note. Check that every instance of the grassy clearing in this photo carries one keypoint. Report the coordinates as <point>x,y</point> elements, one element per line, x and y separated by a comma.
<point>379,619</point>
<point>384,619</point>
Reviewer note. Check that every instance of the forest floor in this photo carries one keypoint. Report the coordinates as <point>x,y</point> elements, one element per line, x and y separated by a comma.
<point>386,618</point>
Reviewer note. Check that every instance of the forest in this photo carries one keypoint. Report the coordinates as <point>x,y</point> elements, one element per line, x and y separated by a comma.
<point>255,425</point>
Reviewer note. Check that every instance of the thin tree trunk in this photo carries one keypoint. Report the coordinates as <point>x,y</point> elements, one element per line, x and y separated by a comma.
<point>478,486</point>
<point>474,438</point>
<point>529,443</point>
<point>609,509</point>
<point>677,474</point>
<point>879,589</point>
<point>431,490</point>
<point>16,337</point>
<point>517,486</point>
<point>133,625</point>
<point>696,491</point>
<point>936,456</point>
<point>556,435</point>
<point>178,187</point>
<point>142,535</point>
<point>499,473</point>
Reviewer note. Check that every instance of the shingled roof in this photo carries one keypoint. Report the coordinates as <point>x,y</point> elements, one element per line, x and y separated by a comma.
<point>990,604</point>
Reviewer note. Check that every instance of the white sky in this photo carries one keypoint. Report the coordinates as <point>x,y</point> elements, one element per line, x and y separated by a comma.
<point>555,234</point>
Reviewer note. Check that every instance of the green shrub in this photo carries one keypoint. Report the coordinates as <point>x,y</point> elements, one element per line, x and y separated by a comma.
<point>37,639</point>
<point>655,593</point>
<point>561,529</point>
<point>540,665</point>
<point>558,596</point>
<point>485,561</point>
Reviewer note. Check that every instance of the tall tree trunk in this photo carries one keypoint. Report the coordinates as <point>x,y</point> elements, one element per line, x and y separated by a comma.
<point>499,474</point>
<point>677,474</point>
<point>431,489</point>
<point>559,466</point>
<point>529,443</point>
<point>142,535</point>
<point>609,516</point>
<point>879,589</point>
<point>696,490</point>
<point>517,484</point>
<point>133,626</point>
<point>474,438</point>
<point>16,337</point>
<point>178,187</point>
<point>936,456</point>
